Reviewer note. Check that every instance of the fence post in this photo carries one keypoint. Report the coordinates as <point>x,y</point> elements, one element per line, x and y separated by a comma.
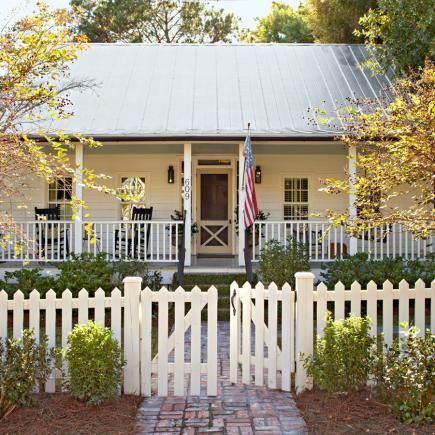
<point>132,289</point>
<point>304,326</point>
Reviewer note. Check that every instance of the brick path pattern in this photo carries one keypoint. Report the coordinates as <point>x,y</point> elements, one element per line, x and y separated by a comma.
<point>237,409</point>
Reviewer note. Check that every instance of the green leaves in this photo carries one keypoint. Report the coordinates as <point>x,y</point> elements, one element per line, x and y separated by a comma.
<point>344,356</point>
<point>279,263</point>
<point>405,377</point>
<point>168,21</point>
<point>94,364</point>
<point>282,24</point>
<point>24,365</point>
<point>401,33</point>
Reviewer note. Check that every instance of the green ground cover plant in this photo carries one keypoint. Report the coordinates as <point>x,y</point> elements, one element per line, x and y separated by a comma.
<point>94,364</point>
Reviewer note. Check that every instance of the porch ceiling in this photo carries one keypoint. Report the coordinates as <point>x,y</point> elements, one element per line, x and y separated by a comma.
<point>213,91</point>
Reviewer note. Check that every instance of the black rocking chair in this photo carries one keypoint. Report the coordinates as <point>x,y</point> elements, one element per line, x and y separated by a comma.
<point>133,239</point>
<point>52,237</point>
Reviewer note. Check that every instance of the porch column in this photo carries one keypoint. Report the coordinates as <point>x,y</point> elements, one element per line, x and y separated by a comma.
<point>240,208</point>
<point>187,189</point>
<point>78,192</point>
<point>352,197</point>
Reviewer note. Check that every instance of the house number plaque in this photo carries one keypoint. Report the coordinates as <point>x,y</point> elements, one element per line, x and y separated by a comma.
<point>187,189</point>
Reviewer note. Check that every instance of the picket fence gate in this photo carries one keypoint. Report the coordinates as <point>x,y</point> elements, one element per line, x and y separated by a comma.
<point>131,321</point>
<point>271,327</point>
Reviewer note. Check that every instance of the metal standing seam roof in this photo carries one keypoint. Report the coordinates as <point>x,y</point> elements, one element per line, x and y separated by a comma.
<point>214,90</point>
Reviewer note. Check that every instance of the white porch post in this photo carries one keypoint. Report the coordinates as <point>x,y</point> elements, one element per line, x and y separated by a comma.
<point>187,188</point>
<point>78,191</point>
<point>352,207</point>
<point>240,208</point>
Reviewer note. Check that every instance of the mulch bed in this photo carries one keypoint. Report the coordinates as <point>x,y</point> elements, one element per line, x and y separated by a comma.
<point>61,414</point>
<point>352,414</point>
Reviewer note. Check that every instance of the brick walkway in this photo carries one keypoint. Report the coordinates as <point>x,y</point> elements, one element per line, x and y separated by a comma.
<point>237,409</point>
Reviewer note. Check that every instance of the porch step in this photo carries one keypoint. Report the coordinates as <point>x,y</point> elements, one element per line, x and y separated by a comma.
<point>208,279</point>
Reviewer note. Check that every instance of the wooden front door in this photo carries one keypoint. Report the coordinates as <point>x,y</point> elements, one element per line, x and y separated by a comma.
<point>214,214</point>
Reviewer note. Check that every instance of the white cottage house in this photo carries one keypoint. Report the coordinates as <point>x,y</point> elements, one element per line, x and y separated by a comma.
<point>173,119</point>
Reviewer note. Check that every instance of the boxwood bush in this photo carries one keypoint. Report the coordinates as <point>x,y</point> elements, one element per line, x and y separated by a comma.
<point>360,268</point>
<point>343,358</point>
<point>94,364</point>
<point>24,365</point>
<point>405,377</point>
<point>279,262</point>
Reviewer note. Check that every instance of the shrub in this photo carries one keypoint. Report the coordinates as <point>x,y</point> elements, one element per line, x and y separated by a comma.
<point>24,364</point>
<point>405,377</point>
<point>26,280</point>
<point>344,356</point>
<point>87,271</point>
<point>279,263</point>
<point>359,268</point>
<point>124,268</point>
<point>94,364</point>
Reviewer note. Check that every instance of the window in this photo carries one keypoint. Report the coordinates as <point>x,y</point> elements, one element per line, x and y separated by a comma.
<point>132,186</point>
<point>60,193</point>
<point>296,199</point>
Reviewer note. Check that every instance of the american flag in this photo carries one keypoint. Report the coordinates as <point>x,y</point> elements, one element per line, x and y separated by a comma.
<point>250,208</point>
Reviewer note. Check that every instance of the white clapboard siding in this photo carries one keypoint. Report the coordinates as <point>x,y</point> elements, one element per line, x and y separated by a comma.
<point>172,356</point>
<point>247,327</point>
<point>39,308</point>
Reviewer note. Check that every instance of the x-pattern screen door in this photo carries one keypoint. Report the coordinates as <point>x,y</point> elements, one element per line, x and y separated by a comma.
<point>215,221</point>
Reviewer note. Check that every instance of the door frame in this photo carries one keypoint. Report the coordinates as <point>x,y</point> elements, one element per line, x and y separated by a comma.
<point>230,169</point>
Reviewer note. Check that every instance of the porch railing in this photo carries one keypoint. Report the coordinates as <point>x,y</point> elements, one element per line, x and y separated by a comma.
<point>38,241</point>
<point>156,241</point>
<point>54,241</point>
<point>325,243</point>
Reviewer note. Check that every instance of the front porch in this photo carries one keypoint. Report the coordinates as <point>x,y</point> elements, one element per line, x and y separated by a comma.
<point>203,180</point>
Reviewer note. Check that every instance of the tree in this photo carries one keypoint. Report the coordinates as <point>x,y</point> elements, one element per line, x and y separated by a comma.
<point>334,21</point>
<point>402,33</point>
<point>169,21</point>
<point>395,160</point>
<point>35,55</point>
<point>282,24</point>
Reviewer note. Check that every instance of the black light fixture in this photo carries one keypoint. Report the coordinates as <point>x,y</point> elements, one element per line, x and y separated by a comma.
<point>171,175</point>
<point>258,175</point>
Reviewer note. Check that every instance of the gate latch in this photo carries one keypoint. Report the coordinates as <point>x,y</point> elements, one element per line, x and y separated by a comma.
<point>232,302</point>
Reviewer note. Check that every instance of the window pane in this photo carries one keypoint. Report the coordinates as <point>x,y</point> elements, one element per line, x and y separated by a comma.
<point>296,198</point>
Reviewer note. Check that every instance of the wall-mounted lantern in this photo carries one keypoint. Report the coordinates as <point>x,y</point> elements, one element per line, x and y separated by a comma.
<point>258,175</point>
<point>171,175</point>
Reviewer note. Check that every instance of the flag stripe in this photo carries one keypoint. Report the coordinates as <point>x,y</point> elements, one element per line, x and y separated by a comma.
<point>250,207</point>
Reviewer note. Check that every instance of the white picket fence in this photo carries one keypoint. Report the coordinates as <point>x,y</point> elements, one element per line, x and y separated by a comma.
<point>291,327</point>
<point>269,328</point>
<point>135,332</point>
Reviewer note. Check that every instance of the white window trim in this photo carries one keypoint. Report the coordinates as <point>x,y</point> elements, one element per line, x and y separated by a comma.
<point>284,203</point>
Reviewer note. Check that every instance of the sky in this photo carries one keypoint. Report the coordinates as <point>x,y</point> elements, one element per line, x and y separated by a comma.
<point>247,10</point>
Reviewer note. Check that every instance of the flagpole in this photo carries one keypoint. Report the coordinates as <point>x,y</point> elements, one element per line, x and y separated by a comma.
<point>247,250</point>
